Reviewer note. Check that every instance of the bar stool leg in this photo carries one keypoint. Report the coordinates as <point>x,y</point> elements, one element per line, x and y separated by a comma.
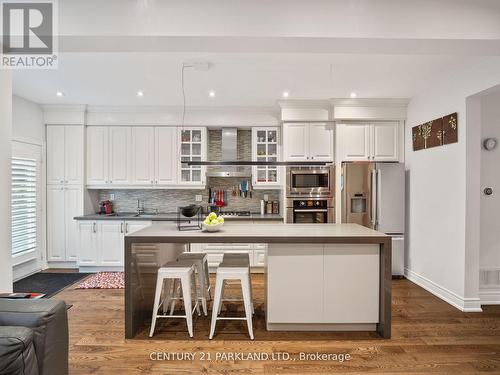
<point>167,295</point>
<point>186,296</point>
<point>202,291</point>
<point>216,305</point>
<point>245,287</point>
<point>175,295</point>
<point>223,290</point>
<point>251,290</point>
<point>208,291</point>
<point>195,291</point>
<point>156,306</point>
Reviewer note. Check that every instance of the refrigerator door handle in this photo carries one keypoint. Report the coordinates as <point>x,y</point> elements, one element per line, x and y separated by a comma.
<point>377,192</point>
<point>373,198</point>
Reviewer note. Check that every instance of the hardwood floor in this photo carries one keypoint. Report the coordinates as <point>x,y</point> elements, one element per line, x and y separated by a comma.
<point>429,337</point>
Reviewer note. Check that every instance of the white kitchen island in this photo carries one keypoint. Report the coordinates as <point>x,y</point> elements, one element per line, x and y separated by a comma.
<point>319,277</point>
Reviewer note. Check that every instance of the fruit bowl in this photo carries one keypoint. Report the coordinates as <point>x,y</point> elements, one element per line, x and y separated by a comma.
<point>213,227</point>
<point>212,223</point>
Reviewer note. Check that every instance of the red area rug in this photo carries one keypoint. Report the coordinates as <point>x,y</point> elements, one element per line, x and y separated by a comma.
<point>104,280</point>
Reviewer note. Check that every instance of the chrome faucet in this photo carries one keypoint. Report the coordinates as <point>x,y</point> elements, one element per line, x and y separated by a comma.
<point>140,210</point>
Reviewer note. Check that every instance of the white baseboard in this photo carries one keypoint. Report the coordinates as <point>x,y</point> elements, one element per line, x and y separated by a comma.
<point>489,297</point>
<point>61,265</point>
<point>461,303</point>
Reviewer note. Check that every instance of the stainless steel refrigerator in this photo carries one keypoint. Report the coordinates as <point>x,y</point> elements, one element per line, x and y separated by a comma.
<point>373,195</point>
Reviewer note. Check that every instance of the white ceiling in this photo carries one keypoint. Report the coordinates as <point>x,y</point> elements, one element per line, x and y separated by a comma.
<point>317,49</point>
<point>237,79</point>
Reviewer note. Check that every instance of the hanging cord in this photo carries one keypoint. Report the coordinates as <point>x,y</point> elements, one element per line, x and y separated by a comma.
<point>184,66</point>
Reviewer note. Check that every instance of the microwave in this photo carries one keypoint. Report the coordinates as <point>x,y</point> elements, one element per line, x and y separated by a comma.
<point>310,181</point>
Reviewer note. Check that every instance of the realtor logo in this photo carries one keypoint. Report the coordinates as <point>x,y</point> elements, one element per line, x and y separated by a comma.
<point>28,35</point>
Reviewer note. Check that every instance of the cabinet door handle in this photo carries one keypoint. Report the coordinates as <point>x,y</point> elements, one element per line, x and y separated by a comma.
<point>62,181</point>
<point>126,227</point>
<point>94,227</point>
<point>121,227</point>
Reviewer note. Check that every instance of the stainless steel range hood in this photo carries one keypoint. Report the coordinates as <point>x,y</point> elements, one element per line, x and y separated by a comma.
<point>229,150</point>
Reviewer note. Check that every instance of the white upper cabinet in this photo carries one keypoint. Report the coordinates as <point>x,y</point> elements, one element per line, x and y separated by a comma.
<point>320,142</point>
<point>64,154</point>
<point>120,168</point>
<point>295,142</point>
<point>143,151</point>
<point>307,142</point>
<point>385,141</point>
<point>266,147</point>
<point>166,158</point>
<point>73,152</point>
<point>374,142</point>
<point>354,142</point>
<point>55,155</point>
<point>193,147</point>
<point>144,156</point>
<point>97,155</point>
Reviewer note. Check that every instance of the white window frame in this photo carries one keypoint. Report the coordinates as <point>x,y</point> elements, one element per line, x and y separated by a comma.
<point>30,262</point>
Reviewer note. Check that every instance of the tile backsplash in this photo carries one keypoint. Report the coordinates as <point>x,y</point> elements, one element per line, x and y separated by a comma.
<point>169,200</point>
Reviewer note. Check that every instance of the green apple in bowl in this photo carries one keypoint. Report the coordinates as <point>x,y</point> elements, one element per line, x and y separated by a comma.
<point>212,222</point>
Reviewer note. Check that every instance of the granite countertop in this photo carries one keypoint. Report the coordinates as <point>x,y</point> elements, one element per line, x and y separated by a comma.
<point>272,232</point>
<point>173,217</point>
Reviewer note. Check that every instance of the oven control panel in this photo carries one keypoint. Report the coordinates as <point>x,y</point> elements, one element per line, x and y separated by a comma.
<point>310,203</point>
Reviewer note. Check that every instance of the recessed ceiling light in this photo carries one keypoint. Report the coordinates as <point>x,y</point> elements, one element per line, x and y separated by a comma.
<point>211,94</point>
<point>140,93</point>
<point>286,94</point>
<point>60,94</point>
<point>353,95</point>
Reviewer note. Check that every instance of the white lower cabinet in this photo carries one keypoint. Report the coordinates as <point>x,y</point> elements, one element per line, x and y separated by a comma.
<point>102,242</point>
<point>215,252</point>
<point>110,239</point>
<point>323,283</point>
<point>64,202</point>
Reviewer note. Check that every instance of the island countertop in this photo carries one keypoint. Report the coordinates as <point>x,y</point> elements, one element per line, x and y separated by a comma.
<point>269,233</point>
<point>299,247</point>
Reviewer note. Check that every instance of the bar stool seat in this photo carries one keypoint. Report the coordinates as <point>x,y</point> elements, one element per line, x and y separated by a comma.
<point>177,270</point>
<point>233,267</point>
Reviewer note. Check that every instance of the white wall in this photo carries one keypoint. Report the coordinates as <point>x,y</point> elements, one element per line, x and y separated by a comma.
<point>5,155</point>
<point>490,176</point>
<point>27,121</point>
<point>442,255</point>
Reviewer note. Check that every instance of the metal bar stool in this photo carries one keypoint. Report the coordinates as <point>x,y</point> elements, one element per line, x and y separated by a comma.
<point>233,267</point>
<point>184,271</point>
<point>200,262</point>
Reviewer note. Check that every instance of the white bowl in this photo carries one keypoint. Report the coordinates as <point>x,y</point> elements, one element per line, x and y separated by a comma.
<point>212,228</point>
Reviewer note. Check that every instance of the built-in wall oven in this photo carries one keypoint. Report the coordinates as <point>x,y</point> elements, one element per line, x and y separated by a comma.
<point>310,211</point>
<point>310,195</point>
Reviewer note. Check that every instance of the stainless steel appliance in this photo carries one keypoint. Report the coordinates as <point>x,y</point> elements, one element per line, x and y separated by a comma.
<point>310,181</point>
<point>373,195</point>
<point>310,211</point>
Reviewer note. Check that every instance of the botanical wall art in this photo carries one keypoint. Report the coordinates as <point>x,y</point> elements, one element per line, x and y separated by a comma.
<point>435,133</point>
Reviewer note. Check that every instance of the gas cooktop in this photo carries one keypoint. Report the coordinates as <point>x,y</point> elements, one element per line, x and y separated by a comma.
<point>234,213</point>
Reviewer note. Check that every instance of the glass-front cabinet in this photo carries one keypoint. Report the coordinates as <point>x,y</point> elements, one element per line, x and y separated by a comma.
<point>193,147</point>
<point>266,146</point>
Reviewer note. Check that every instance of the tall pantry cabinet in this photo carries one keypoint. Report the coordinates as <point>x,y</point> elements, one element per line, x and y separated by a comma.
<point>64,144</point>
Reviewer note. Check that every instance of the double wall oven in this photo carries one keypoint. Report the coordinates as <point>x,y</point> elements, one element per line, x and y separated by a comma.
<point>310,195</point>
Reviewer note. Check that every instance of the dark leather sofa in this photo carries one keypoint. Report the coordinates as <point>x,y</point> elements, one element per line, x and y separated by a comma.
<point>33,337</point>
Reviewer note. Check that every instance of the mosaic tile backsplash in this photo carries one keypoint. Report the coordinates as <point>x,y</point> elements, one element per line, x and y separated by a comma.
<point>168,200</point>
